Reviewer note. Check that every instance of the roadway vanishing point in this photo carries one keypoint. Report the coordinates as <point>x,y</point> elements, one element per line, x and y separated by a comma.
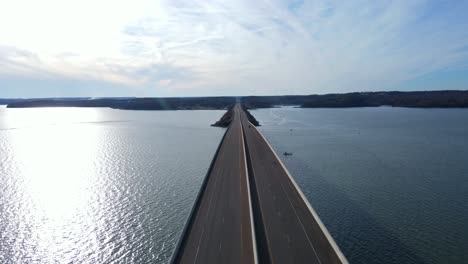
<point>250,210</point>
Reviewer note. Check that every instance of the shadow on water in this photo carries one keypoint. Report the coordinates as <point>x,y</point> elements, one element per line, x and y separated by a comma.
<point>360,236</point>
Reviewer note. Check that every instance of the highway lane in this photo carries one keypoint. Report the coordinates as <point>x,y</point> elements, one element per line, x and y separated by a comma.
<point>220,228</point>
<point>288,229</point>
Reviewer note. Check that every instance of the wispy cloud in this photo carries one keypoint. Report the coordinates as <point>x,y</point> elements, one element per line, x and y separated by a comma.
<point>239,47</point>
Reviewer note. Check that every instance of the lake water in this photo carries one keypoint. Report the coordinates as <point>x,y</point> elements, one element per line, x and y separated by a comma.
<point>91,185</point>
<point>390,184</point>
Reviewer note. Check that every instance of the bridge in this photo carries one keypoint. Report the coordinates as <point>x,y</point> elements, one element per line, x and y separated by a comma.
<point>250,209</point>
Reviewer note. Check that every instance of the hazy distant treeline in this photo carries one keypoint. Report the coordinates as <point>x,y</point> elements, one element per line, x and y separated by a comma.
<point>365,99</point>
<point>425,99</point>
<point>133,103</point>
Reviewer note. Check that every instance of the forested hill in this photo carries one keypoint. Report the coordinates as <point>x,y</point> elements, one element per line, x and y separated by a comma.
<point>174,103</point>
<point>426,99</point>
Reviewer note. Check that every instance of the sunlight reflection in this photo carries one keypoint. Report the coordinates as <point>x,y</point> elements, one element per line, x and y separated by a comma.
<point>36,117</point>
<point>58,173</point>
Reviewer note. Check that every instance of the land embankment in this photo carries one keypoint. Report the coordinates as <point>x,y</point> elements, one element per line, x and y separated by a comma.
<point>250,117</point>
<point>227,118</point>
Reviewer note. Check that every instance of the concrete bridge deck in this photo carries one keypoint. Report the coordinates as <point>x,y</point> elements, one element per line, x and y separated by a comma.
<point>250,210</point>
<point>292,231</point>
<point>219,229</point>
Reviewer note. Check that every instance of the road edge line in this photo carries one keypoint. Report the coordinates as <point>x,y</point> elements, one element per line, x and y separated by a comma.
<point>254,238</point>
<point>196,203</point>
<point>327,234</point>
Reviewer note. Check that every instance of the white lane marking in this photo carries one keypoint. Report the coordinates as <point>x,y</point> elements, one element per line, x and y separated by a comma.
<point>262,216</point>
<point>312,211</point>
<point>220,155</point>
<point>254,239</point>
<point>302,225</point>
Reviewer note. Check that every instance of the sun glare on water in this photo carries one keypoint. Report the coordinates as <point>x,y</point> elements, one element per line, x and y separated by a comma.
<point>55,151</point>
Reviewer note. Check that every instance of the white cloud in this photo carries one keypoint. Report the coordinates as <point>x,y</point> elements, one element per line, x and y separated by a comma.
<point>233,47</point>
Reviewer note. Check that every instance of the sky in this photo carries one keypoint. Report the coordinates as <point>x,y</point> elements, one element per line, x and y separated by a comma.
<point>66,48</point>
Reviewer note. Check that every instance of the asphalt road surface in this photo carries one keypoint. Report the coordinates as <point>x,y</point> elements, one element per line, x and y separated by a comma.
<point>220,229</point>
<point>288,230</point>
<point>250,209</point>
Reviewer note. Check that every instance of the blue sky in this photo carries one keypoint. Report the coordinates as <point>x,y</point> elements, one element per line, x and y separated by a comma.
<point>201,48</point>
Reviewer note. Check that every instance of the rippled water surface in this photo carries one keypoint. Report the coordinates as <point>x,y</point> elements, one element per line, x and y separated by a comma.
<point>89,185</point>
<point>390,184</point>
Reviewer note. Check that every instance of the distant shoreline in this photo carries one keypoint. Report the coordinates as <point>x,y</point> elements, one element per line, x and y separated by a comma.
<point>424,99</point>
